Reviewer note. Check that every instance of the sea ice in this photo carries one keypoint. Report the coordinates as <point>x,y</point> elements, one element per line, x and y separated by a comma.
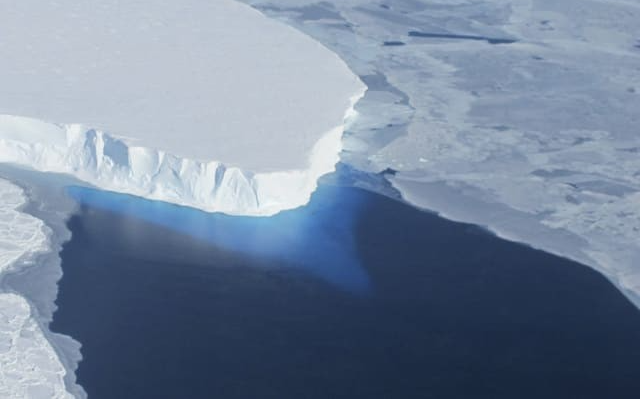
<point>520,115</point>
<point>29,366</point>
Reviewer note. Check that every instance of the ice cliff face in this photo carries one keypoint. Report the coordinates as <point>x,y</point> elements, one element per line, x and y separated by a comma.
<point>206,104</point>
<point>114,164</point>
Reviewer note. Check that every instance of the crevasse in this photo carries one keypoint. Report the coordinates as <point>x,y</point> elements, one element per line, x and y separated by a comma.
<point>109,163</point>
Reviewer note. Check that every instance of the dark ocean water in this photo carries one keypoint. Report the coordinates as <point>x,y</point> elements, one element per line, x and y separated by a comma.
<point>353,296</point>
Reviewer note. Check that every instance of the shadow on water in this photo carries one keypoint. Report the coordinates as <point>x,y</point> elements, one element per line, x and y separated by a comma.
<point>317,238</point>
<point>173,303</point>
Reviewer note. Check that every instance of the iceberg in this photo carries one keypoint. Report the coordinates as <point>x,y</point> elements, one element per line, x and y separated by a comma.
<point>206,104</point>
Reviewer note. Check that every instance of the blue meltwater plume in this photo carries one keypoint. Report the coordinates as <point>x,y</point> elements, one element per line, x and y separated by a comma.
<point>318,238</point>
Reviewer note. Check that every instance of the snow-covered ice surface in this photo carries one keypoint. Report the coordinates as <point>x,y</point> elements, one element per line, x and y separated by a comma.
<point>202,103</point>
<point>519,115</point>
<point>29,366</point>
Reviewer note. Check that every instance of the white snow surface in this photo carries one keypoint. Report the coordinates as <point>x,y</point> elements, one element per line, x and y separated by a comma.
<point>537,138</point>
<point>203,103</point>
<point>29,366</point>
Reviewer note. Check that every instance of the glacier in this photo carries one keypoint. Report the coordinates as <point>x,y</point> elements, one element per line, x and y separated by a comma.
<point>210,105</point>
<point>111,164</point>
<point>205,104</point>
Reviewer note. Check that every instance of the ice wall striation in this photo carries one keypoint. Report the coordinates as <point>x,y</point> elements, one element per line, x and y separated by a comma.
<point>202,103</point>
<point>115,164</point>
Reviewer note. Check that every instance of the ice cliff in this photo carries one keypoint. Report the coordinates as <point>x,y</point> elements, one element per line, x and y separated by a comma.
<point>113,164</point>
<point>205,104</point>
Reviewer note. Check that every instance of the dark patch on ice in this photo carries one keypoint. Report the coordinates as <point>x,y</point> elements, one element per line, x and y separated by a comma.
<point>605,187</point>
<point>582,140</point>
<point>379,82</point>
<point>312,12</point>
<point>393,43</point>
<point>553,173</point>
<point>546,25</point>
<point>347,175</point>
<point>572,200</point>
<point>389,171</point>
<point>490,40</point>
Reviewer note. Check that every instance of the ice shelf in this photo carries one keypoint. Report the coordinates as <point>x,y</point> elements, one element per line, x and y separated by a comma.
<point>206,104</point>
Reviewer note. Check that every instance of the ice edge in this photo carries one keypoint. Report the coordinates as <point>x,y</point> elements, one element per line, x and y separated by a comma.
<point>31,365</point>
<point>112,164</point>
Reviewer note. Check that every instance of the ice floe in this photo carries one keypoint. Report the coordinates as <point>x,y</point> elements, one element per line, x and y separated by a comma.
<point>29,366</point>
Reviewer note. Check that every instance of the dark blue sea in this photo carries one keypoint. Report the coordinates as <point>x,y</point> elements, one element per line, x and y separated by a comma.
<point>354,296</point>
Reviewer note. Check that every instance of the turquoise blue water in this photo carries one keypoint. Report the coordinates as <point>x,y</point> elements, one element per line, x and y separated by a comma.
<point>315,238</point>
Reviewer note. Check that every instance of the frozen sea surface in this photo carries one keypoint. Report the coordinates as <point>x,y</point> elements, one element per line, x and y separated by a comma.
<point>520,115</point>
<point>29,365</point>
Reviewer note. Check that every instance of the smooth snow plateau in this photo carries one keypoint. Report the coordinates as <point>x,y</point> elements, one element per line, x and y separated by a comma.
<point>206,104</point>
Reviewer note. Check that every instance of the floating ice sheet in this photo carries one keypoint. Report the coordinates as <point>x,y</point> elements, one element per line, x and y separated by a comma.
<point>204,103</point>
